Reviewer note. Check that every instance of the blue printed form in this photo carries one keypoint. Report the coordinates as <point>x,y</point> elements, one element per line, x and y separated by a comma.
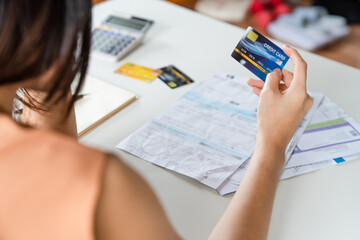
<point>206,134</point>
<point>332,136</point>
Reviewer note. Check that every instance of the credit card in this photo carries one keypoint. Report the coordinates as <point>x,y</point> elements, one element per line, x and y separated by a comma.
<point>259,54</point>
<point>138,72</point>
<point>173,77</point>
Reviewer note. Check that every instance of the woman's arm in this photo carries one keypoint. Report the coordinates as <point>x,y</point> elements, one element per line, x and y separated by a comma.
<point>281,108</point>
<point>128,208</point>
<point>249,212</point>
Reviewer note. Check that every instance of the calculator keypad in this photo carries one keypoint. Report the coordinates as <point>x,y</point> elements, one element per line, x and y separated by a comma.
<point>110,42</point>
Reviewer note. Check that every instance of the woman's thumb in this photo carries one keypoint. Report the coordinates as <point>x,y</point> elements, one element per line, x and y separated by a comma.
<point>273,80</point>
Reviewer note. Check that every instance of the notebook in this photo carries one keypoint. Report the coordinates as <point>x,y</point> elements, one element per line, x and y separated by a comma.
<point>100,102</point>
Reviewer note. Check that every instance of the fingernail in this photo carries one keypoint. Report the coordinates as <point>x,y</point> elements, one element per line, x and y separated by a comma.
<point>277,71</point>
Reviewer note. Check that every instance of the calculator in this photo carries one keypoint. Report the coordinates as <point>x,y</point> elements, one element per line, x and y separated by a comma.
<point>118,35</point>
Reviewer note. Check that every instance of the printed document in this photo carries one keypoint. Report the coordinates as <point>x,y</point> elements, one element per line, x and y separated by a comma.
<point>208,133</point>
<point>331,137</point>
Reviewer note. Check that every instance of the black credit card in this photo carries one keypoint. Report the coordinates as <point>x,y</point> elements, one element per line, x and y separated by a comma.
<point>173,77</point>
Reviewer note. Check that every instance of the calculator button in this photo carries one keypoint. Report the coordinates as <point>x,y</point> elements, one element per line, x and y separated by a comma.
<point>117,49</point>
<point>110,48</point>
<point>110,42</point>
<point>114,53</point>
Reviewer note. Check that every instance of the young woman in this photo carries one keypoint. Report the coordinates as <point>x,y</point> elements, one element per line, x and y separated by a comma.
<point>52,187</point>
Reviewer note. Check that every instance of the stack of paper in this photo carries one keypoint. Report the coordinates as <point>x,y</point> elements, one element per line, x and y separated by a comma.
<point>209,134</point>
<point>332,137</point>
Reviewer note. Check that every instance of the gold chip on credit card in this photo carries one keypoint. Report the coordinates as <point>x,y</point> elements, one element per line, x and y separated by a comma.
<point>252,36</point>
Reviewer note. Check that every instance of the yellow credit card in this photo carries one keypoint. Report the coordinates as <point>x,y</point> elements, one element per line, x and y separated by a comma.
<point>138,72</point>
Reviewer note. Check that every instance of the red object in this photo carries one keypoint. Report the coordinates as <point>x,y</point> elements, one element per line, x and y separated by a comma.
<point>275,3</point>
<point>281,10</point>
<point>257,6</point>
<point>264,18</point>
<point>266,11</point>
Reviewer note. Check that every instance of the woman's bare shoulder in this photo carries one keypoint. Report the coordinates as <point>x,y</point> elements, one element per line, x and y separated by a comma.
<point>128,208</point>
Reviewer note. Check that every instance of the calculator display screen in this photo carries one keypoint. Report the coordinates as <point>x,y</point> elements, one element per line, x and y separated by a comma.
<point>126,23</point>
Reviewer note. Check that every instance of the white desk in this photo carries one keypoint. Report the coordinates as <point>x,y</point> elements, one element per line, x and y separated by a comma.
<point>320,205</point>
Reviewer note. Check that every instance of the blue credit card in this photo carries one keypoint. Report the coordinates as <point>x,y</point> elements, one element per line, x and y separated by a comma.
<point>259,54</point>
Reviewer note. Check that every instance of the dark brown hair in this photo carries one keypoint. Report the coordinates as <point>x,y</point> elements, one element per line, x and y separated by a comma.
<point>42,36</point>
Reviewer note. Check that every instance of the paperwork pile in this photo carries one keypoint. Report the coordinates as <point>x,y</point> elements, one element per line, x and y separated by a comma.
<point>209,134</point>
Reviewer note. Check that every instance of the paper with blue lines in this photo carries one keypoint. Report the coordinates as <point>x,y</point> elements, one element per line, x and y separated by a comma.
<point>331,138</point>
<point>208,133</point>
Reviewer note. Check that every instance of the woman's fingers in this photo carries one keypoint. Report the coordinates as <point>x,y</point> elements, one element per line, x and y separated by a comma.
<point>282,88</point>
<point>258,85</point>
<point>287,77</point>
<point>299,80</point>
<point>273,80</point>
<point>257,91</point>
<point>255,83</point>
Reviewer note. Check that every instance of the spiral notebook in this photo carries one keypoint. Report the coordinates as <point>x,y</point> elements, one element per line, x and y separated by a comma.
<point>100,102</point>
